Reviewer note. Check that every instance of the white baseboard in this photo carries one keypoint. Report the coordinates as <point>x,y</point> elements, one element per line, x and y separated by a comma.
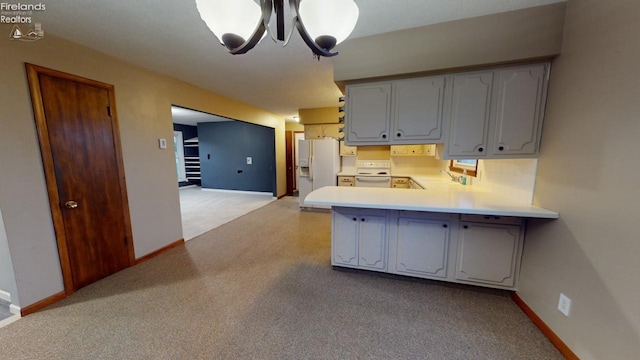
<point>15,310</point>
<point>4,295</point>
<point>240,191</point>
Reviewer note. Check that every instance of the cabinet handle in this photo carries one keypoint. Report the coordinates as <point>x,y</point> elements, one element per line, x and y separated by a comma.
<point>384,136</point>
<point>480,149</point>
<point>341,119</point>
<point>466,226</point>
<point>341,109</point>
<point>445,226</point>
<point>398,135</point>
<point>354,219</point>
<point>362,219</point>
<point>501,148</point>
<point>341,99</point>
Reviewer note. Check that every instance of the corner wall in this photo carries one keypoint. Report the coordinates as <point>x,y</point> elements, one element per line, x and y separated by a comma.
<point>588,172</point>
<point>144,100</point>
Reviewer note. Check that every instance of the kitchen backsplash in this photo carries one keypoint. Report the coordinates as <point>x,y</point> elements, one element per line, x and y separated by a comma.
<point>514,177</point>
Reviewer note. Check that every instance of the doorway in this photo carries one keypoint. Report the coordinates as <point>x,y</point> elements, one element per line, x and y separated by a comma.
<point>80,145</point>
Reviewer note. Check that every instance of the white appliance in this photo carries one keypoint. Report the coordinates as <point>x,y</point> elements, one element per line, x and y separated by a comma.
<point>319,165</point>
<point>373,173</point>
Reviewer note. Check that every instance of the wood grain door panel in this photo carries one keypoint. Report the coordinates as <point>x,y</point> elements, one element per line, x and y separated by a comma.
<point>84,151</point>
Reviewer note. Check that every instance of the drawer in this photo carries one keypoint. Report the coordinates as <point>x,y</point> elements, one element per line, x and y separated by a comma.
<point>346,181</point>
<point>494,219</point>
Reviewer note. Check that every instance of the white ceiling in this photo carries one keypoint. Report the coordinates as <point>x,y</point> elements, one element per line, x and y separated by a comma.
<point>169,37</point>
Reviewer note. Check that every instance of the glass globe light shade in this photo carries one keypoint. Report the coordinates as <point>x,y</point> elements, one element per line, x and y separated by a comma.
<point>329,18</point>
<point>236,17</point>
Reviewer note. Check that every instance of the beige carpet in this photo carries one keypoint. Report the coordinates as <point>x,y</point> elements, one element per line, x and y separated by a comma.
<point>261,287</point>
<point>203,210</point>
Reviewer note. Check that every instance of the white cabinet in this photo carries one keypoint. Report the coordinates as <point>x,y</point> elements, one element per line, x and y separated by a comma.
<point>346,181</point>
<point>413,150</point>
<point>489,252</point>
<point>469,114</point>
<point>368,113</point>
<point>406,111</point>
<point>492,114</point>
<point>359,238</point>
<point>418,106</point>
<point>521,97</point>
<point>497,114</point>
<point>346,150</point>
<point>400,183</point>
<point>419,245</point>
<point>320,131</point>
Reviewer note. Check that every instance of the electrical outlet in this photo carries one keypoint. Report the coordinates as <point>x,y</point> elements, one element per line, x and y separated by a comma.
<point>564,304</point>
<point>249,160</point>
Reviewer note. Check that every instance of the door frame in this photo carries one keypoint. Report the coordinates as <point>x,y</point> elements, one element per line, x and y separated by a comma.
<point>33,76</point>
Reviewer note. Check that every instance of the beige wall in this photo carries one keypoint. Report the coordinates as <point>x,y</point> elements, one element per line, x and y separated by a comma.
<point>504,37</point>
<point>293,126</point>
<point>588,172</point>
<point>143,101</point>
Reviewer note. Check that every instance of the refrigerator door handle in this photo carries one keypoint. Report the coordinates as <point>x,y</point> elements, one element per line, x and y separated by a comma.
<point>311,168</point>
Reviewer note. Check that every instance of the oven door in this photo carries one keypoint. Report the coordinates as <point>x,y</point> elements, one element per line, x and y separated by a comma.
<point>373,181</point>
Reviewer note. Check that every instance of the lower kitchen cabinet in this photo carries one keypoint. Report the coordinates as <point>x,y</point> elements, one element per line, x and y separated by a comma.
<point>489,253</point>
<point>359,238</point>
<point>419,245</point>
<point>471,249</point>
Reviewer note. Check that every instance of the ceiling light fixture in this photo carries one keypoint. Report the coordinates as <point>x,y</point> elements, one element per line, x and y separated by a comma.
<point>241,24</point>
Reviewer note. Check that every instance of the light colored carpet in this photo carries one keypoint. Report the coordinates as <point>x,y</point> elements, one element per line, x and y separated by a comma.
<point>265,289</point>
<point>203,210</point>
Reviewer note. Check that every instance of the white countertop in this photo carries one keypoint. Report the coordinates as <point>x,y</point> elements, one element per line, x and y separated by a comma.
<point>438,196</point>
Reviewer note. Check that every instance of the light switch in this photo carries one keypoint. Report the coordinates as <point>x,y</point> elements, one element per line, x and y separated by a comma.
<point>162,143</point>
<point>249,160</point>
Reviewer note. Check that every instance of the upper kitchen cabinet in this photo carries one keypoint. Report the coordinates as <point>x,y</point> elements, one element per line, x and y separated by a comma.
<point>497,114</point>
<point>418,110</point>
<point>368,114</point>
<point>469,114</point>
<point>519,111</point>
<point>408,111</point>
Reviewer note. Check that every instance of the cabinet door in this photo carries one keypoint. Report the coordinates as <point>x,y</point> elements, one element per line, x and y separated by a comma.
<point>418,109</point>
<point>469,114</point>
<point>344,247</point>
<point>421,247</point>
<point>519,110</point>
<point>346,150</point>
<point>488,253</point>
<point>372,242</point>
<point>313,132</point>
<point>368,113</point>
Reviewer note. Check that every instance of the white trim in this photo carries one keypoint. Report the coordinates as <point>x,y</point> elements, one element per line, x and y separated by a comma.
<point>4,295</point>
<point>178,142</point>
<point>241,192</point>
<point>187,186</point>
<point>15,310</point>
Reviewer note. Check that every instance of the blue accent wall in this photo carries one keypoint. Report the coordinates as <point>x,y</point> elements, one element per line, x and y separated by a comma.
<point>224,148</point>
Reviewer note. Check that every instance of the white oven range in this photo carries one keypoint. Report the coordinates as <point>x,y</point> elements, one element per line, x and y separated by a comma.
<point>373,173</point>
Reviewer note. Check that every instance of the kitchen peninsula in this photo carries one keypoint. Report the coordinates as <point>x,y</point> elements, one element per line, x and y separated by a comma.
<point>445,232</point>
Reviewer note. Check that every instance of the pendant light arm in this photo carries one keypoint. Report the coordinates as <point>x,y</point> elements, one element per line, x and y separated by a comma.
<point>257,35</point>
<point>317,50</point>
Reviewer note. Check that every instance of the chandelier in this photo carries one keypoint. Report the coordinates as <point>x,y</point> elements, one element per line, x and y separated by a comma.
<point>241,24</point>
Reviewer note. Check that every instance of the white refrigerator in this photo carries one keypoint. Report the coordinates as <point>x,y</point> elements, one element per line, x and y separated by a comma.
<point>318,166</point>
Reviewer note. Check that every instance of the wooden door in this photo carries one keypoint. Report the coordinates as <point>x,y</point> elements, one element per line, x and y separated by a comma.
<point>81,154</point>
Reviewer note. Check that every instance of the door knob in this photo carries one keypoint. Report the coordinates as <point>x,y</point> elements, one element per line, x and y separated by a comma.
<point>71,204</point>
